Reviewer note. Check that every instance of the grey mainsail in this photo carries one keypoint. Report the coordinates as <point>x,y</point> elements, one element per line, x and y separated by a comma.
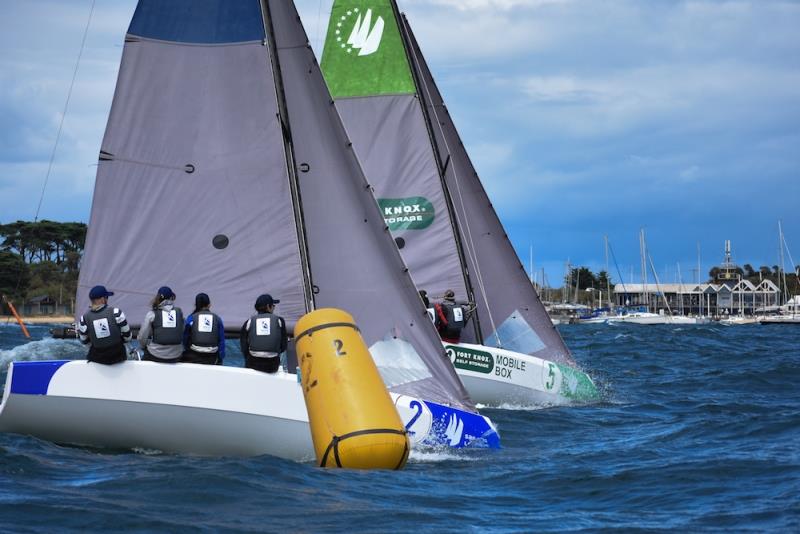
<point>225,169</point>
<point>510,312</point>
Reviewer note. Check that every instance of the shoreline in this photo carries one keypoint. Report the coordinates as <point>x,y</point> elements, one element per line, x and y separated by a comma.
<point>40,319</point>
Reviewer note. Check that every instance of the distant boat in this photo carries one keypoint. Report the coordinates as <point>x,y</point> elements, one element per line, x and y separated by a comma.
<point>441,217</point>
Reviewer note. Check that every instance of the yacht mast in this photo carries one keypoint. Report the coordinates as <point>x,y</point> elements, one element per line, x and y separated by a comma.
<point>297,205</point>
<point>441,165</point>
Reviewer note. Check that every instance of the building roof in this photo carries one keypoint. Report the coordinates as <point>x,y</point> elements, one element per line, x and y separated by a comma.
<point>743,286</point>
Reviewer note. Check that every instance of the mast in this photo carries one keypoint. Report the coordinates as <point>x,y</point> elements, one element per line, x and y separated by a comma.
<point>440,165</point>
<point>608,273</point>
<point>294,187</point>
<point>643,256</point>
<point>781,269</point>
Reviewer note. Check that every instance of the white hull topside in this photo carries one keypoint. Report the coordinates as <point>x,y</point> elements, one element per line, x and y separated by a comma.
<point>500,377</point>
<point>192,409</point>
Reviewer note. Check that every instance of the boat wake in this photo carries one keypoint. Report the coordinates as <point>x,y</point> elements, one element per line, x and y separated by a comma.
<point>43,349</point>
<point>435,455</point>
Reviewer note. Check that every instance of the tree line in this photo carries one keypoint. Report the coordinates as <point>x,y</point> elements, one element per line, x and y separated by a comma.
<point>40,258</point>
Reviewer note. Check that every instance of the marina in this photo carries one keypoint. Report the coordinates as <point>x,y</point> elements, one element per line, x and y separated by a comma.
<point>273,277</point>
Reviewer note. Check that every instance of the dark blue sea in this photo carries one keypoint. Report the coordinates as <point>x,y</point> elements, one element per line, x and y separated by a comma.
<point>699,431</point>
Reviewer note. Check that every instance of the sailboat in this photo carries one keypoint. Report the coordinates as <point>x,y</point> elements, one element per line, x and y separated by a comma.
<point>789,313</point>
<point>443,222</point>
<point>225,169</point>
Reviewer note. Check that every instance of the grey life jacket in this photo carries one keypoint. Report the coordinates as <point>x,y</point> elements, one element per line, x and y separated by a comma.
<point>265,334</point>
<point>168,326</point>
<point>455,316</point>
<point>205,330</point>
<point>103,329</point>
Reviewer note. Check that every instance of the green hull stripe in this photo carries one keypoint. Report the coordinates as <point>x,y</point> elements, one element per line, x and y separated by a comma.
<point>363,52</point>
<point>576,385</point>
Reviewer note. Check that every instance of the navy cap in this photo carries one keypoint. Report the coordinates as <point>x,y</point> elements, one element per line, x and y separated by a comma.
<point>166,292</point>
<point>265,300</point>
<point>98,292</point>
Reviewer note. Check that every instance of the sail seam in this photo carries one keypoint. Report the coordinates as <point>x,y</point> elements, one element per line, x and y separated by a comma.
<point>132,38</point>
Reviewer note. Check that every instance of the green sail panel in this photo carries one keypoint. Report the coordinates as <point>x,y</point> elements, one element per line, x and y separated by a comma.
<point>364,53</point>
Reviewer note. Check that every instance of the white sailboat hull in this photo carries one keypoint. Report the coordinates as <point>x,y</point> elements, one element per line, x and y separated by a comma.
<point>499,377</point>
<point>780,319</point>
<point>193,409</point>
<point>640,318</point>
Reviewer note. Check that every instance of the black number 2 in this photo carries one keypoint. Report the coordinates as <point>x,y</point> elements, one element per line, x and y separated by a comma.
<point>338,344</point>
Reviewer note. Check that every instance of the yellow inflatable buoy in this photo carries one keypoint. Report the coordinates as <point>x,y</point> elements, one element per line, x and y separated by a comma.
<point>354,423</point>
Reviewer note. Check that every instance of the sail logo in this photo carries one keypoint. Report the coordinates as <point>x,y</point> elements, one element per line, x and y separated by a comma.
<point>455,430</point>
<point>412,213</point>
<point>365,37</point>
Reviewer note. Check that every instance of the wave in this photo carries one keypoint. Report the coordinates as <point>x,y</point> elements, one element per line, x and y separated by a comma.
<point>42,349</point>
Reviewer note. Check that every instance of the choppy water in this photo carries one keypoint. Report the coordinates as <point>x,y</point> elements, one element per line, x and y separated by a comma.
<point>699,431</point>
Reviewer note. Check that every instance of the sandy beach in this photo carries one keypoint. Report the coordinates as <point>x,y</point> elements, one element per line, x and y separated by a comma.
<point>40,319</point>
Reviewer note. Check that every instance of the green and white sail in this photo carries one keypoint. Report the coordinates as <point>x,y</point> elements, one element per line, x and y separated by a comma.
<point>410,148</point>
<point>368,73</point>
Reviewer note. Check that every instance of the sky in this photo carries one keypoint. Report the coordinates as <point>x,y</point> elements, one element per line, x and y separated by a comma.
<point>584,119</point>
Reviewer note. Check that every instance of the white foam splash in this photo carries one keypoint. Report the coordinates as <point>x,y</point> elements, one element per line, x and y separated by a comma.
<point>43,349</point>
<point>147,452</point>
<point>524,407</point>
<point>422,456</point>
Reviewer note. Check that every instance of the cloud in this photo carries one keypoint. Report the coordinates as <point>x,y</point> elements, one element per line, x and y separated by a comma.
<point>582,117</point>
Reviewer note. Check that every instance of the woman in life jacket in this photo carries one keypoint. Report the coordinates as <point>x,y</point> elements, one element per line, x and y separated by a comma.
<point>204,334</point>
<point>161,333</point>
<point>263,337</point>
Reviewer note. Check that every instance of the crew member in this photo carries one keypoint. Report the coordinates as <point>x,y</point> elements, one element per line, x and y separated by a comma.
<point>161,334</point>
<point>204,334</point>
<point>104,329</point>
<point>263,337</point>
<point>450,318</point>
<point>426,301</point>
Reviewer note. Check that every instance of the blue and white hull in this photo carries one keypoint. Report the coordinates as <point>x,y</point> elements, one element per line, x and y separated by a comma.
<point>194,409</point>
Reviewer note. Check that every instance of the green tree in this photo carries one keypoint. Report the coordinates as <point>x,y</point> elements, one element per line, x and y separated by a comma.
<point>14,275</point>
<point>604,281</point>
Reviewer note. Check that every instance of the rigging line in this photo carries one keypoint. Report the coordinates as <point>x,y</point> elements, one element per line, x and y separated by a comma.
<point>319,17</point>
<point>64,113</point>
<point>471,248</point>
<point>622,280</point>
<point>658,284</point>
<point>791,260</point>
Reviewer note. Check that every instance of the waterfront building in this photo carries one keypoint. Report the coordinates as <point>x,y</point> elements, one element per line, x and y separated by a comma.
<point>737,298</point>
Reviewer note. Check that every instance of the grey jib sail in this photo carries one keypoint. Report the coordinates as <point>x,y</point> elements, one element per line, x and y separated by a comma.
<point>225,169</point>
<point>508,304</point>
<point>392,134</point>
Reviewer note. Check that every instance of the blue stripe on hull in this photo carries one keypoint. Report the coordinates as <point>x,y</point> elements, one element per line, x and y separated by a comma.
<point>198,21</point>
<point>458,428</point>
<point>33,378</point>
